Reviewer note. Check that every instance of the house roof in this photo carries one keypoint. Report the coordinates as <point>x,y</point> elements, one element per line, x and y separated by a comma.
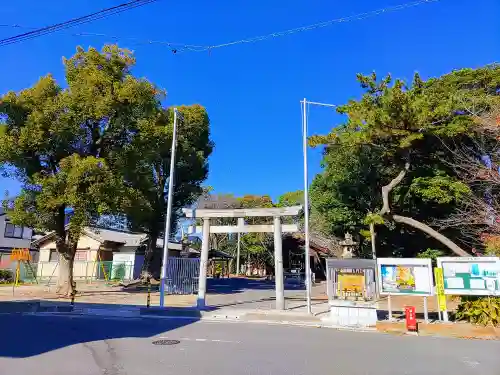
<point>326,246</point>
<point>110,235</point>
<point>101,235</point>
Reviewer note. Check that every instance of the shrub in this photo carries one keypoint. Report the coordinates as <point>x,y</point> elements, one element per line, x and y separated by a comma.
<point>479,310</point>
<point>6,276</point>
<point>119,272</point>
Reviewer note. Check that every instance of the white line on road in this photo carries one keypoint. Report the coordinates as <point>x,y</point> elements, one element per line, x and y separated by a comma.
<point>200,340</point>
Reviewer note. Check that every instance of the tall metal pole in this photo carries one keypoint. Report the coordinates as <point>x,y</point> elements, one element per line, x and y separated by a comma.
<point>168,217</point>
<point>306,197</point>
<point>306,209</point>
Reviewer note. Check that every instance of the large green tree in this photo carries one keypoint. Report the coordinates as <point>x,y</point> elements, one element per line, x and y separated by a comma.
<point>65,144</point>
<point>147,170</point>
<point>390,159</point>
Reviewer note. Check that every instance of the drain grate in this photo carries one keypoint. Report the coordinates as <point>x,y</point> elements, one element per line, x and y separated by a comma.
<point>166,342</point>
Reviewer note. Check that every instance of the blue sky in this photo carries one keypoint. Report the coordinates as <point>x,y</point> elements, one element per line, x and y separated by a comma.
<point>252,91</point>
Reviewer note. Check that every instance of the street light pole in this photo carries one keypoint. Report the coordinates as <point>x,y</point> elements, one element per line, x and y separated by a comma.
<point>306,209</point>
<point>168,216</point>
<point>306,199</point>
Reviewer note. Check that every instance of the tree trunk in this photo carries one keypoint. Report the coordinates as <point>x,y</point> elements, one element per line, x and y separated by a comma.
<point>66,248</point>
<point>431,232</point>
<point>65,283</point>
<point>372,236</point>
<point>149,257</point>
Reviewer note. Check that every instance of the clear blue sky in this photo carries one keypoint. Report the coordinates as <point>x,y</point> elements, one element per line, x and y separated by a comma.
<point>252,91</point>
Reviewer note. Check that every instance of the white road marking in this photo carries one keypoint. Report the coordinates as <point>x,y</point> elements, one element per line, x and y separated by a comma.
<point>470,363</point>
<point>200,340</point>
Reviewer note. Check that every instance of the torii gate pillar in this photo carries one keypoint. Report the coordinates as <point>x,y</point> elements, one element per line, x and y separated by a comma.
<point>277,228</point>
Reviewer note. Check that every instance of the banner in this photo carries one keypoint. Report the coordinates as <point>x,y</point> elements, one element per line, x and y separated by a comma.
<point>438,277</point>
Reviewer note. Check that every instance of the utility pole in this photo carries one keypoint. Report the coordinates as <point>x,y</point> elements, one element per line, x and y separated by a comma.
<point>168,216</point>
<point>306,199</point>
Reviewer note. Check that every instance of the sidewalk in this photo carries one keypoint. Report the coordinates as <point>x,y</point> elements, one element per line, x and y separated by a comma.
<point>93,294</point>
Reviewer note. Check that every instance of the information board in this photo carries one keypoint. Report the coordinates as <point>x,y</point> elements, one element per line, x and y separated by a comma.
<point>477,276</point>
<point>351,282</point>
<point>400,276</point>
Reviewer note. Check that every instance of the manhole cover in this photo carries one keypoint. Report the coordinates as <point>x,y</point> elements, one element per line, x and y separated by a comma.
<point>166,342</point>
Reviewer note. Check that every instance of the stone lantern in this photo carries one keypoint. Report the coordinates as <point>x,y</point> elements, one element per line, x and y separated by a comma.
<point>348,246</point>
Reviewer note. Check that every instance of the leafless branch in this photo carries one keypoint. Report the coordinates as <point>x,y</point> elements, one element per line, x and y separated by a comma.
<point>386,209</point>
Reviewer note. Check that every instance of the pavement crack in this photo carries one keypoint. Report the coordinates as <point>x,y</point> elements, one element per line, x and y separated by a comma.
<point>105,359</point>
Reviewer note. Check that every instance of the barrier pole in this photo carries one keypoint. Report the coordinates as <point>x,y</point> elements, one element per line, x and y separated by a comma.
<point>426,312</point>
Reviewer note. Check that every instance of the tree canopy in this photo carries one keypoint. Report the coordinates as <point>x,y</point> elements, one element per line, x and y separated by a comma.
<point>396,127</point>
<point>98,145</point>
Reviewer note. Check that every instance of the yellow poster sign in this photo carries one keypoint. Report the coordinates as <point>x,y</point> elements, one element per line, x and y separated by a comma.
<point>351,284</point>
<point>20,255</point>
<point>441,297</point>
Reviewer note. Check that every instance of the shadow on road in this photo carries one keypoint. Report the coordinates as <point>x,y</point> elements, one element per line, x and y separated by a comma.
<point>26,335</point>
<point>238,285</point>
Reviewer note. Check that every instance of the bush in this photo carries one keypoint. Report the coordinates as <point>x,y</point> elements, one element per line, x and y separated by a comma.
<point>6,276</point>
<point>119,272</point>
<point>431,253</point>
<point>480,310</point>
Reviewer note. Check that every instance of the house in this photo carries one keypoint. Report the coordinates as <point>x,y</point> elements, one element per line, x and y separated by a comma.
<point>13,237</point>
<point>321,247</point>
<point>100,254</point>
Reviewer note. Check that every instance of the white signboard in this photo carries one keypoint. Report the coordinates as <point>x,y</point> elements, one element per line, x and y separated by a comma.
<point>476,276</point>
<point>405,276</point>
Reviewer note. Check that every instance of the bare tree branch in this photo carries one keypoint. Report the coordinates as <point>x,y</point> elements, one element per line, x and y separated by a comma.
<point>386,209</point>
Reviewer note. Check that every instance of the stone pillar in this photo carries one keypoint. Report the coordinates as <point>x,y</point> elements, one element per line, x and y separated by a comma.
<point>278,265</point>
<point>205,246</point>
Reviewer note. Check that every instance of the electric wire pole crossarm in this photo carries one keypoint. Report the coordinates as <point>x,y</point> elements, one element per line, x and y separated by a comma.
<point>168,217</point>
<point>306,199</point>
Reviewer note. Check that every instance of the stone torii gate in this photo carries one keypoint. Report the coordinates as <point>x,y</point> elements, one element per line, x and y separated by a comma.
<point>277,228</point>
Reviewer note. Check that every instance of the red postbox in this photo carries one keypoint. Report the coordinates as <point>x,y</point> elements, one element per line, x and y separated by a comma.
<point>411,319</point>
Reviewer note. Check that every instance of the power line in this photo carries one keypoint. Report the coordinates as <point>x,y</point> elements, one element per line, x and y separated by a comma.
<point>136,41</point>
<point>104,13</point>
<point>179,47</point>
<point>355,17</point>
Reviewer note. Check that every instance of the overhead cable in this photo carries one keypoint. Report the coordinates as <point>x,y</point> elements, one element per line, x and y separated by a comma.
<point>104,13</point>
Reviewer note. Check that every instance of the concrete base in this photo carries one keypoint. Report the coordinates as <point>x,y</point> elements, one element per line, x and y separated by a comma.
<point>352,314</point>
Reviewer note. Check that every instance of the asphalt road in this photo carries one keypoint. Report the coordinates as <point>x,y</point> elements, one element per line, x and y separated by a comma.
<point>90,346</point>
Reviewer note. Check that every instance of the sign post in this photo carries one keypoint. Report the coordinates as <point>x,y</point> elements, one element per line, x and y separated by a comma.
<point>441,297</point>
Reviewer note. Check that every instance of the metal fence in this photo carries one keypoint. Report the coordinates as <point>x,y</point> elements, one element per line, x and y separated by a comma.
<point>88,271</point>
<point>182,275</point>
<point>27,272</point>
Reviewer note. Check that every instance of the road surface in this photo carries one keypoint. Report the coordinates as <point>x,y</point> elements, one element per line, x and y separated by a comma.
<point>48,345</point>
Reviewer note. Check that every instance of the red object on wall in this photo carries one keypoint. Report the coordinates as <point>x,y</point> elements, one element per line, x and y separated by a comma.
<point>411,319</point>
